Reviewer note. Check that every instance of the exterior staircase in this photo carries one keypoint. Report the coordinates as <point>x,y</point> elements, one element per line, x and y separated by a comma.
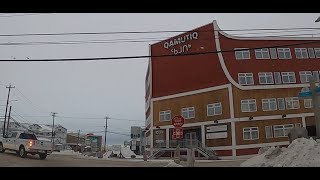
<point>203,152</point>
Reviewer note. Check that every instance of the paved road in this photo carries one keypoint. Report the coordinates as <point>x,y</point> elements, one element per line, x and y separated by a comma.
<point>12,160</point>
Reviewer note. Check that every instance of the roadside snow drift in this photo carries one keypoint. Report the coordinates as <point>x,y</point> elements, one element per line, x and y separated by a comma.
<point>173,164</point>
<point>301,152</point>
<point>125,151</point>
<point>67,152</point>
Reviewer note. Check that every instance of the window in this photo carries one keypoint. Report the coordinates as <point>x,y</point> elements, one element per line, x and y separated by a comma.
<point>288,77</point>
<point>262,53</point>
<point>297,125</point>
<point>27,136</point>
<point>165,115</point>
<point>265,78</point>
<point>269,133</point>
<point>269,104</point>
<point>316,75</point>
<point>305,76</point>
<point>277,78</point>
<point>311,53</point>
<point>248,105</point>
<point>214,109</point>
<point>308,103</point>
<point>250,133</point>
<point>282,130</point>
<point>301,53</point>
<point>317,52</point>
<point>188,112</point>
<point>242,54</point>
<point>284,53</point>
<point>59,129</point>
<point>245,78</point>
<point>273,53</point>
<point>292,103</point>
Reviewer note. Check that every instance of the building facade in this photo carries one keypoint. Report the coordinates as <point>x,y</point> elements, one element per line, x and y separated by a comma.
<point>237,94</point>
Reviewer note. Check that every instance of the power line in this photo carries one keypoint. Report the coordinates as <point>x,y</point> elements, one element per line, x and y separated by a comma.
<point>30,102</point>
<point>147,56</point>
<point>26,14</point>
<point>152,32</point>
<point>114,41</point>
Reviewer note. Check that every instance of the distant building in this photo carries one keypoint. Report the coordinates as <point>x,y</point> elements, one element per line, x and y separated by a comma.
<point>84,142</point>
<point>43,132</point>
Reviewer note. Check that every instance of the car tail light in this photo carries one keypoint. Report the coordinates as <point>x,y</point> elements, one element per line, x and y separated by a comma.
<point>29,143</point>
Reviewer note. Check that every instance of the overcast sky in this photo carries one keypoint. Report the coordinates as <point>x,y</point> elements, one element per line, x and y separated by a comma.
<point>97,89</point>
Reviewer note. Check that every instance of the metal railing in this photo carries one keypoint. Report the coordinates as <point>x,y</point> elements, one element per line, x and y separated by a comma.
<point>185,143</point>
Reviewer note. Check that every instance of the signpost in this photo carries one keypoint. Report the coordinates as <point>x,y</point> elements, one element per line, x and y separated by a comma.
<point>177,122</point>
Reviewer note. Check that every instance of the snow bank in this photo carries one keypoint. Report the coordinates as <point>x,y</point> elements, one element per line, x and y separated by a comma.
<point>301,152</point>
<point>67,152</point>
<point>173,164</point>
<point>125,151</point>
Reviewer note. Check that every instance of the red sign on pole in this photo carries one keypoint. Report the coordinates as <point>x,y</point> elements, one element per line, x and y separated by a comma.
<point>177,133</point>
<point>177,121</point>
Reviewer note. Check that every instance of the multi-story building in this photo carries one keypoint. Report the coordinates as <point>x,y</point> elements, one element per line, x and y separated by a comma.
<point>237,94</point>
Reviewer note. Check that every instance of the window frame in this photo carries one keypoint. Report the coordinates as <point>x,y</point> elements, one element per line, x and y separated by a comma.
<point>283,50</point>
<point>242,51</point>
<point>262,51</point>
<point>256,129</point>
<point>164,113</point>
<point>255,102</point>
<point>301,51</point>
<point>245,75</point>
<point>287,74</point>
<point>188,111</point>
<point>214,109</point>
<point>266,75</point>
<point>269,104</point>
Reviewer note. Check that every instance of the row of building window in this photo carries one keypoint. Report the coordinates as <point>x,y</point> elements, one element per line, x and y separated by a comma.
<point>272,104</point>
<point>277,53</point>
<point>277,77</point>
<point>247,105</point>
<point>189,112</point>
<point>276,131</point>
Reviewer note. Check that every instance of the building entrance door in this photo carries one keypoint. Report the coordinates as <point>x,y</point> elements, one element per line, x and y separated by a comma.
<point>191,139</point>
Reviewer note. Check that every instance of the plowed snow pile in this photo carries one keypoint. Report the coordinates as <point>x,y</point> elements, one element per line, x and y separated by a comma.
<point>301,152</point>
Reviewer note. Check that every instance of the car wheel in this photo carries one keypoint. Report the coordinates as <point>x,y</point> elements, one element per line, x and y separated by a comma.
<point>22,152</point>
<point>1,148</point>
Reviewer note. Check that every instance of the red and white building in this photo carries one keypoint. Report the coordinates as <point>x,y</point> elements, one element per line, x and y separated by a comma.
<point>236,95</point>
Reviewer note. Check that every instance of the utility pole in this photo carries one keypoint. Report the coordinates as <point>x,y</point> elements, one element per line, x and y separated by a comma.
<point>105,135</point>
<point>5,116</point>
<point>53,134</point>
<point>8,120</point>
<point>78,140</point>
<point>315,103</point>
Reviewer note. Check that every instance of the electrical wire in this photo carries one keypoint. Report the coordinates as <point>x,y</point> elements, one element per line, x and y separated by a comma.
<point>148,56</point>
<point>152,32</point>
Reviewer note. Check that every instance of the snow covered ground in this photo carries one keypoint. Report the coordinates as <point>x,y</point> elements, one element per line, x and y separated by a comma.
<point>301,152</point>
<point>67,152</point>
<point>173,164</point>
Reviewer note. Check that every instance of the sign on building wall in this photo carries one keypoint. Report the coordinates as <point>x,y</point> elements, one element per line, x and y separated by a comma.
<point>159,135</point>
<point>217,135</point>
<point>181,44</point>
<point>216,131</point>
